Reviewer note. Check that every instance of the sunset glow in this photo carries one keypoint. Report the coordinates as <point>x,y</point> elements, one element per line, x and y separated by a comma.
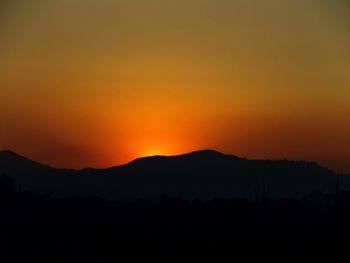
<point>103,83</point>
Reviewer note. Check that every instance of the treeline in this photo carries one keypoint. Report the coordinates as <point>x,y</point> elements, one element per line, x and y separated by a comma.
<point>45,228</point>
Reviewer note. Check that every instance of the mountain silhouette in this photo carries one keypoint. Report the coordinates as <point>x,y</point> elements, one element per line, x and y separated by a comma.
<point>81,225</point>
<point>204,161</point>
<point>200,174</point>
<point>11,162</point>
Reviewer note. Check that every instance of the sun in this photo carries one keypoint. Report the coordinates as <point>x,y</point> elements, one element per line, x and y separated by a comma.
<point>153,151</point>
<point>158,148</point>
<point>158,145</point>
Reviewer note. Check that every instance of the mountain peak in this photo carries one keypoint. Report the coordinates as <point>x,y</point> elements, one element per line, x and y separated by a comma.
<point>11,155</point>
<point>208,153</point>
<point>11,162</point>
<point>8,153</point>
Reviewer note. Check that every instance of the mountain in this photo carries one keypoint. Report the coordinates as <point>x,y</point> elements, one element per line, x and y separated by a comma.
<point>201,174</point>
<point>198,162</point>
<point>12,163</point>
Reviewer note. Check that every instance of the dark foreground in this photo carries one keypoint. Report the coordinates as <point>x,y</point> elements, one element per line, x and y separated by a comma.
<point>36,228</point>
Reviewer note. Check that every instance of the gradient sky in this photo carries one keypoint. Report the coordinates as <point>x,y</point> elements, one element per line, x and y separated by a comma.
<point>101,82</point>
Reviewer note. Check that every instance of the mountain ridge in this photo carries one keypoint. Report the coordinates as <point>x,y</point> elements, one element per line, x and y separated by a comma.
<point>200,174</point>
<point>14,161</point>
<point>198,155</point>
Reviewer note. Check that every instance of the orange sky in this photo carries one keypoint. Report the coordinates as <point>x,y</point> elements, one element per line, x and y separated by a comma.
<point>98,83</point>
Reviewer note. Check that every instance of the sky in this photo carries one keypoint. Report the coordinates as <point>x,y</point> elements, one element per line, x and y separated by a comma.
<point>96,83</point>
